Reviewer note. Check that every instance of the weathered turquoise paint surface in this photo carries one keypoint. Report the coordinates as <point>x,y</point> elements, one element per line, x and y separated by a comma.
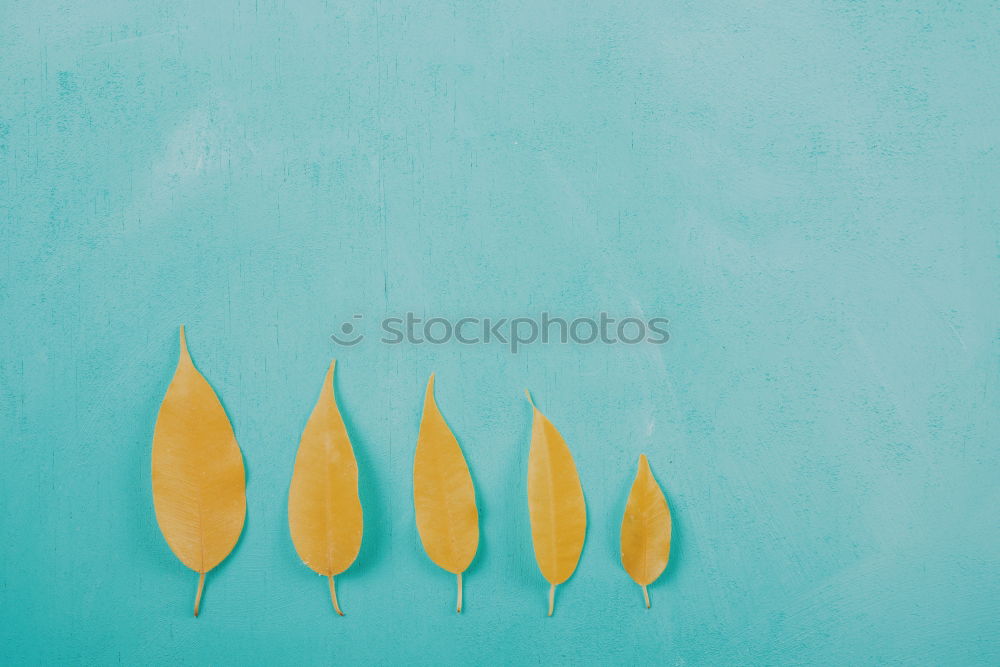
<point>807,190</point>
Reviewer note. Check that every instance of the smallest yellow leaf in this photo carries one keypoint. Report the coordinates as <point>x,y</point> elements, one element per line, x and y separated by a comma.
<point>645,529</point>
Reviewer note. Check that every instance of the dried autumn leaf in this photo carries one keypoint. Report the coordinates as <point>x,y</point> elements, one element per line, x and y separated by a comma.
<point>444,499</point>
<point>324,509</point>
<point>645,529</point>
<point>555,503</point>
<point>199,488</point>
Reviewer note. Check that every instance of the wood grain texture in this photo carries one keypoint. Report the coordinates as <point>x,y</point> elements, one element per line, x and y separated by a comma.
<point>809,195</point>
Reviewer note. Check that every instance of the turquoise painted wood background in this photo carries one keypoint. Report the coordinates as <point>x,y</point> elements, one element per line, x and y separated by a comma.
<point>808,191</point>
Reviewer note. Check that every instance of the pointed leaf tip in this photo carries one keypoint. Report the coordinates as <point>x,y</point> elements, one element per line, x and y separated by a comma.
<point>183,345</point>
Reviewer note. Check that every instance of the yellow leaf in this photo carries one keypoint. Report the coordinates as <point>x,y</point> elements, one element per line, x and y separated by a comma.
<point>444,499</point>
<point>645,530</point>
<point>324,509</point>
<point>199,488</point>
<point>555,503</point>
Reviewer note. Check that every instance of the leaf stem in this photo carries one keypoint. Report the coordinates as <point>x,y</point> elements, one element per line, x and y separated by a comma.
<point>552,599</point>
<point>458,609</point>
<point>197,597</point>
<point>645,594</point>
<point>333,596</point>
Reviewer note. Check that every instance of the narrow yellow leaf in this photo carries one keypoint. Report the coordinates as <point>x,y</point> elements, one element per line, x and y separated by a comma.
<point>645,530</point>
<point>324,509</point>
<point>444,499</point>
<point>555,503</point>
<point>199,487</point>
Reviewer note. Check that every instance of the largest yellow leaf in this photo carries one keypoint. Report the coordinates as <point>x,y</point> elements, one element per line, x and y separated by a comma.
<point>555,503</point>
<point>645,529</point>
<point>444,499</point>
<point>324,509</point>
<point>199,490</point>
